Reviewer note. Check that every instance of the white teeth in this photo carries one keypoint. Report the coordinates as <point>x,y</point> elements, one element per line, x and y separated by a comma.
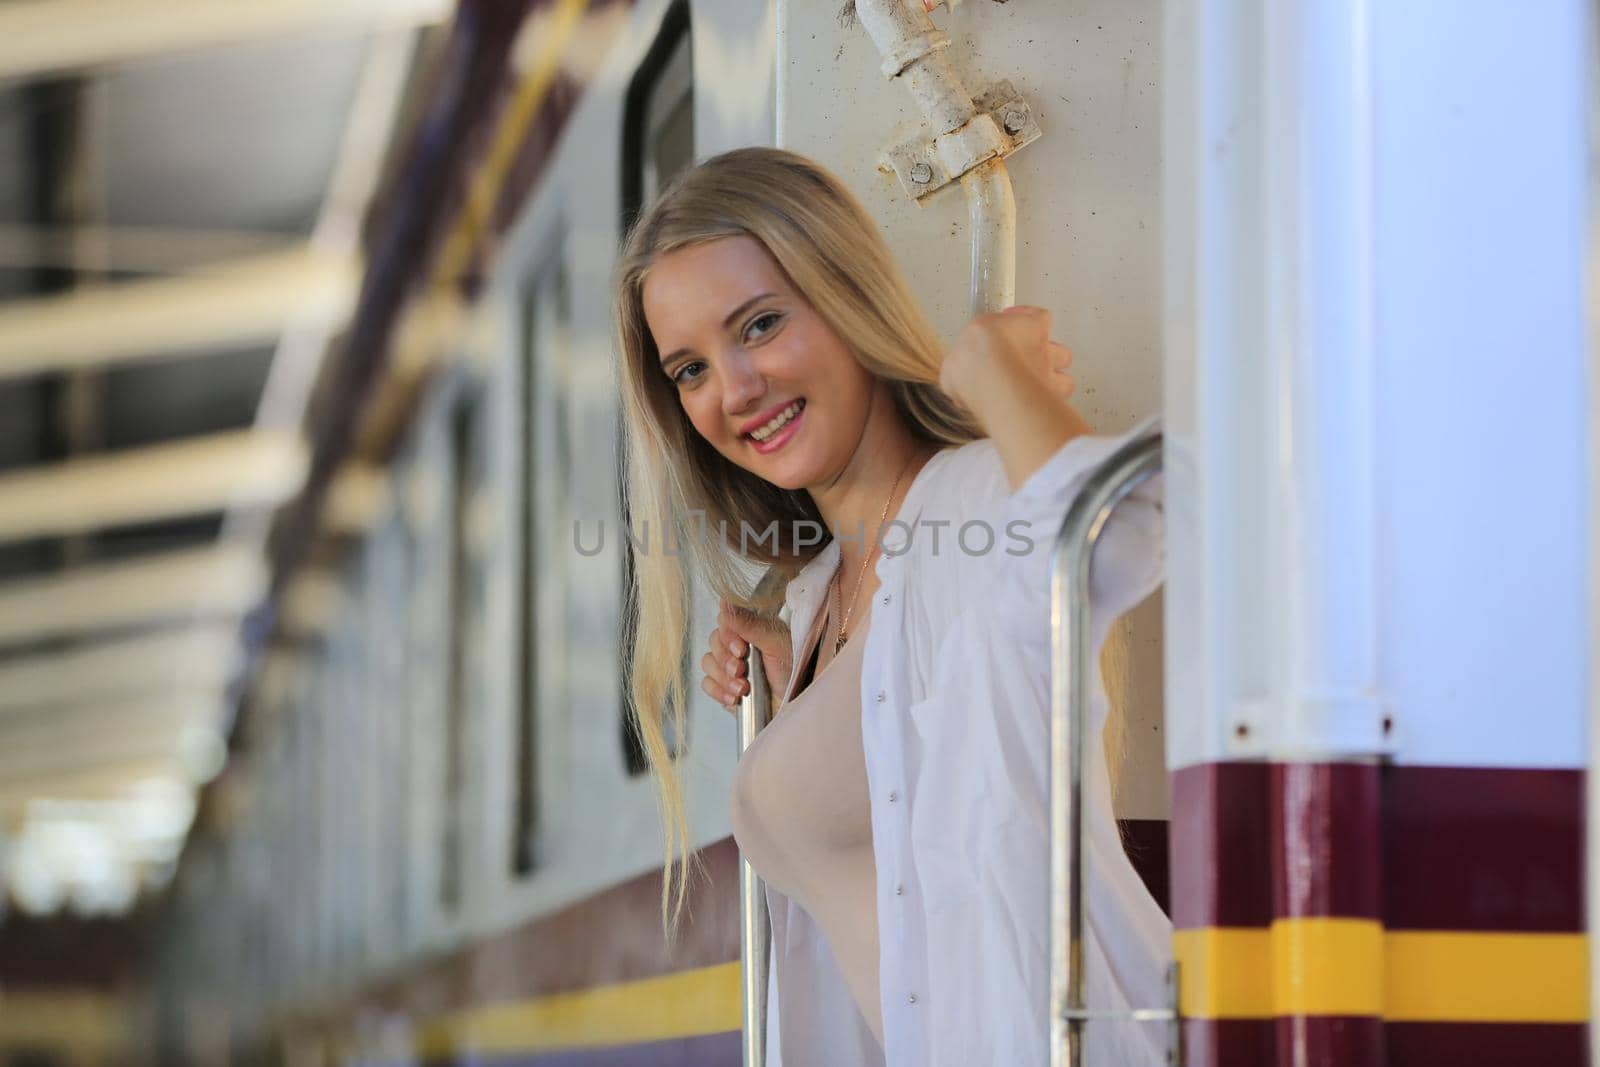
<point>778,422</point>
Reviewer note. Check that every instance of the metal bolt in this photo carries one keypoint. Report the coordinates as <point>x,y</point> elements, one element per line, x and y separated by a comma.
<point>1015,121</point>
<point>922,174</point>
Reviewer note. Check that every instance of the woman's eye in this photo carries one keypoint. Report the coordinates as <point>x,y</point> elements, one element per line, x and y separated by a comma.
<point>761,325</point>
<point>682,375</point>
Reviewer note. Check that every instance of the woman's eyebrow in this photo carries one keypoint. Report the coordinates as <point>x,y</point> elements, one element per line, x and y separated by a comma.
<point>726,322</point>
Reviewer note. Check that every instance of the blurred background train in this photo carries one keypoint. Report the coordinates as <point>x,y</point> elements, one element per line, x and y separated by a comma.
<point>314,747</point>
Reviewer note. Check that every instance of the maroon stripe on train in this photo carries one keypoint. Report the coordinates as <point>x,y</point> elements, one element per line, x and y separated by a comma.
<point>1145,841</point>
<point>1485,1044</point>
<point>614,936</point>
<point>1328,1041</point>
<point>705,1050</point>
<point>1227,1042</point>
<point>1462,848</point>
<point>1221,845</point>
<point>1471,848</point>
<point>1326,841</point>
<point>1257,1043</point>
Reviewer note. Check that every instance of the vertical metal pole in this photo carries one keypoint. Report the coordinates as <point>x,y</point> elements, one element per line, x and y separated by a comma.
<point>1072,661</point>
<point>755,711</point>
<point>992,208</point>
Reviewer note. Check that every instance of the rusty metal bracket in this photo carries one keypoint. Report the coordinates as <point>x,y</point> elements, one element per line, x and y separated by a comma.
<point>1003,125</point>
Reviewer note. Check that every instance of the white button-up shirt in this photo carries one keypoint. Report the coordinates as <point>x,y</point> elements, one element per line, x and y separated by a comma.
<point>955,698</point>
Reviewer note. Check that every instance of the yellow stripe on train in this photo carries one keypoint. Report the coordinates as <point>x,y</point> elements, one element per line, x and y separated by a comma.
<point>1356,967</point>
<point>685,1004</point>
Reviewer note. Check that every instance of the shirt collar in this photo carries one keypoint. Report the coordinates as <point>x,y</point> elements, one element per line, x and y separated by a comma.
<point>813,577</point>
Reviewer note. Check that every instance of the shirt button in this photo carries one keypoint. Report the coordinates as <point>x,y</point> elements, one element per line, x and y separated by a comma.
<point>893,796</point>
<point>886,598</point>
<point>880,696</point>
<point>899,890</point>
<point>912,999</point>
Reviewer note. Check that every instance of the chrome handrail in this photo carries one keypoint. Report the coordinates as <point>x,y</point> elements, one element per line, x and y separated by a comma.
<point>1072,664</point>
<point>755,711</point>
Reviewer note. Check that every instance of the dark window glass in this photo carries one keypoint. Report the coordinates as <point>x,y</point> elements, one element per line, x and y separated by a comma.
<point>658,143</point>
<point>545,461</point>
<point>463,596</point>
<point>658,114</point>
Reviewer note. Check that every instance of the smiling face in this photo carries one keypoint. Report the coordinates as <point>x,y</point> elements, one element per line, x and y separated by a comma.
<point>759,373</point>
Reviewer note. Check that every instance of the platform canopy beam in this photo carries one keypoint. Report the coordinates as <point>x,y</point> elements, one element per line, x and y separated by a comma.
<point>247,468</point>
<point>177,660</point>
<point>230,305</point>
<point>41,37</point>
<point>221,582</point>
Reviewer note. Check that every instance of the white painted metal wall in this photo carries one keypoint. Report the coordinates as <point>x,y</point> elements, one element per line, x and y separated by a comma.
<point>1087,208</point>
<point>1377,382</point>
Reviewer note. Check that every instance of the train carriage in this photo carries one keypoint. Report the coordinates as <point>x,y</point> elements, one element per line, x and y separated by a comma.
<point>1351,741</point>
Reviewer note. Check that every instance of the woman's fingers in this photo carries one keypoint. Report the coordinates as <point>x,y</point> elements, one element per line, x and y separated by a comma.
<point>744,628</point>
<point>718,684</point>
<point>711,666</point>
<point>1057,370</point>
<point>1015,337</point>
<point>739,630</point>
<point>725,667</point>
<point>720,695</point>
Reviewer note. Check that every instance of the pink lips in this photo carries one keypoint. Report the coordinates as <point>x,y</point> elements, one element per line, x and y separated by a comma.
<point>779,439</point>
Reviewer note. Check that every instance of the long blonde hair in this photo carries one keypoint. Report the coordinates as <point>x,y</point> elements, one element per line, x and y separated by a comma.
<point>833,254</point>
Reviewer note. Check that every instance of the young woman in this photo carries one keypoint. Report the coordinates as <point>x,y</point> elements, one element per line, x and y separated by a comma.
<point>789,406</point>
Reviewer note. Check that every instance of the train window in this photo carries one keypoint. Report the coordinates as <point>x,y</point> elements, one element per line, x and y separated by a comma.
<point>545,460</point>
<point>657,143</point>
<point>464,590</point>
<point>658,114</point>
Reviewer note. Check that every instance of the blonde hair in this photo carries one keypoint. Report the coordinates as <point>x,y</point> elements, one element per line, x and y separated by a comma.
<point>831,251</point>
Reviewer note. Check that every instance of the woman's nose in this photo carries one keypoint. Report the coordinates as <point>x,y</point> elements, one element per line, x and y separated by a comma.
<point>744,385</point>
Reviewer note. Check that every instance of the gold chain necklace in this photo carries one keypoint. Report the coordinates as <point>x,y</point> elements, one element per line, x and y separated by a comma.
<point>866,560</point>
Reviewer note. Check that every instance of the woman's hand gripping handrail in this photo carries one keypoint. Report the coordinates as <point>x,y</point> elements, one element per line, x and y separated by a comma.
<point>1072,661</point>
<point>755,711</point>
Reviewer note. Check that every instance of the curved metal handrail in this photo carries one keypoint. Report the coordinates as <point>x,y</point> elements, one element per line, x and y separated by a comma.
<point>1072,660</point>
<point>755,711</point>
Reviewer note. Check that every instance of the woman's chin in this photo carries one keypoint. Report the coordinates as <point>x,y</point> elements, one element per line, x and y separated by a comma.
<point>784,469</point>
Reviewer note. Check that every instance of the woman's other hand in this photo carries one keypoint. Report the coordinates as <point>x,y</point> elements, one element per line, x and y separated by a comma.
<point>1006,342</point>
<point>1005,369</point>
<point>738,628</point>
